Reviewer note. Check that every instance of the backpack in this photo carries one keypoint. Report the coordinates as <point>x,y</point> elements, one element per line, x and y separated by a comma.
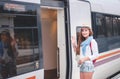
<point>92,53</point>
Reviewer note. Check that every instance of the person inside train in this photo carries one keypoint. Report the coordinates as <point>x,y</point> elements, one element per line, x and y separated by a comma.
<point>86,50</point>
<point>8,55</point>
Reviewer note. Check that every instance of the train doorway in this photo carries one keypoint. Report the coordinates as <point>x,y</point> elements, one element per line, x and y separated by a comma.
<point>53,41</point>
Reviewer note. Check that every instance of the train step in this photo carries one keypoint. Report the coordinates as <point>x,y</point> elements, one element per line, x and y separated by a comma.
<point>115,76</point>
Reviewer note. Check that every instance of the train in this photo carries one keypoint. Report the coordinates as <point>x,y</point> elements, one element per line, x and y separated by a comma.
<point>43,30</point>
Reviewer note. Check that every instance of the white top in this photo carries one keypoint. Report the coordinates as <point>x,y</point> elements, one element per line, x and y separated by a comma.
<point>91,54</point>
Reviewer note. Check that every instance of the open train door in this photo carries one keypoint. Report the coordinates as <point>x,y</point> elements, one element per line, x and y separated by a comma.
<point>53,41</point>
<point>80,14</point>
<point>61,43</point>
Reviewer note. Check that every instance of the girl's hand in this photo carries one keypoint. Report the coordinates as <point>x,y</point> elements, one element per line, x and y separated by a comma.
<point>81,61</point>
<point>13,43</point>
<point>73,39</point>
<point>74,43</point>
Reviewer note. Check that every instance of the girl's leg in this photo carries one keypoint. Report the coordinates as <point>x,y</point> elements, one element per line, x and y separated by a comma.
<point>4,72</point>
<point>88,75</point>
<point>81,75</point>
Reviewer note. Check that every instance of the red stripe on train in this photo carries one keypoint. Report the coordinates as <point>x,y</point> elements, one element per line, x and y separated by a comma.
<point>33,77</point>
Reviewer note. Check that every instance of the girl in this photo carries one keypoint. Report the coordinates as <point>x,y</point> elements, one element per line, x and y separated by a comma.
<point>8,50</point>
<point>87,48</point>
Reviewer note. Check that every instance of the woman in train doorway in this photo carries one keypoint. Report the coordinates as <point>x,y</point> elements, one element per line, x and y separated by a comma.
<point>8,55</point>
<point>87,50</point>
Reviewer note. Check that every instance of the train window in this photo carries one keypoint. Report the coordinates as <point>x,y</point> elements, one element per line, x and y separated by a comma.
<point>25,21</point>
<point>21,31</point>
<point>106,31</point>
<point>115,26</point>
<point>119,25</point>
<point>99,24</point>
<point>27,40</point>
<point>108,20</point>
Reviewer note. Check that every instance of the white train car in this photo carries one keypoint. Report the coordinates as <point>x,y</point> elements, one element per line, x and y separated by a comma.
<point>43,31</point>
<point>104,18</point>
<point>108,23</point>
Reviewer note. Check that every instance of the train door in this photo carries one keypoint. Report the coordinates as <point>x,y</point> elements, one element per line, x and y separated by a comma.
<point>53,41</point>
<point>80,15</point>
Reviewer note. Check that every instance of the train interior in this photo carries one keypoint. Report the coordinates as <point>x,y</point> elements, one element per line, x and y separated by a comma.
<point>49,40</point>
<point>53,40</point>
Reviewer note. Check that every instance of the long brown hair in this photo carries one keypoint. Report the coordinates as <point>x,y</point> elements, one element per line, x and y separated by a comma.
<point>8,41</point>
<point>81,38</point>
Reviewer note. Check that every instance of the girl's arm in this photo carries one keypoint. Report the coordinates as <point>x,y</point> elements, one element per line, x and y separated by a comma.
<point>14,48</point>
<point>94,50</point>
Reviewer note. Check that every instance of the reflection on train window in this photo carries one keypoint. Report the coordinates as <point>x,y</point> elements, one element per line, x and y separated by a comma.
<point>27,38</point>
<point>23,28</point>
<point>100,25</point>
<point>26,34</point>
<point>105,25</point>
<point>115,25</point>
<point>118,22</point>
<point>109,26</point>
<point>13,8</point>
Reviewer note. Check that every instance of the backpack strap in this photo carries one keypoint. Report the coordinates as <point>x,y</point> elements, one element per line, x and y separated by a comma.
<point>92,52</point>
<point>91,48</point>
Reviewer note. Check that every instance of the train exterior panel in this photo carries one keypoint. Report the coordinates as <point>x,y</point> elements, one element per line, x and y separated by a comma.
<point>78,18</point>
<point>107,64</point>
<point>32,75</point>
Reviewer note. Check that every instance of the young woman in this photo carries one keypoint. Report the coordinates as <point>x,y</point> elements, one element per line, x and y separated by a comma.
<point>7,55</point>
<point>87,49</point>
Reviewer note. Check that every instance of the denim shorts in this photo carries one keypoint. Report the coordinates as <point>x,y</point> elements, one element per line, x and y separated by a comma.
<point>87,67</point>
